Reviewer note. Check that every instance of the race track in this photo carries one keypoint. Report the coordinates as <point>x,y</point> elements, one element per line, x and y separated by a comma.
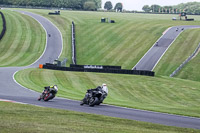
<point>10,90</point>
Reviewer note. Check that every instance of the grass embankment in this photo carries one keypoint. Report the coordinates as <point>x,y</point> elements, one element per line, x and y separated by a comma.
<point>123,43</point>
<point>26,118</point>
<point>160,94</point>
<point>23,42</point>
<point>126,41</point>
<point>179,51</point>
<point>191,70</point>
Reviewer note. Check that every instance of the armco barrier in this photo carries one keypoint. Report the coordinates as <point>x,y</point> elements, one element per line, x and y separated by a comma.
<point>4,26</point>
<point>103,70</point>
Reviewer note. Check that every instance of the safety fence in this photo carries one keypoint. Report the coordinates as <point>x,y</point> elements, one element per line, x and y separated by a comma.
<point>73,44</point>
<point>186,61</point>
<point>98,69</point>
<point>4,26</point>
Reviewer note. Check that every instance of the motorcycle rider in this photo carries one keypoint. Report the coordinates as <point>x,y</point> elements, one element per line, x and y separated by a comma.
<point>102,88</point>
<point>53,89</point>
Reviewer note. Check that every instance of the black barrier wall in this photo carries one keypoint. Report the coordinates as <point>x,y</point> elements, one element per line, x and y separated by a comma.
<point>73,44</point>
<point>4,26</point>
<point>99,70</point>
<point>95,66</point>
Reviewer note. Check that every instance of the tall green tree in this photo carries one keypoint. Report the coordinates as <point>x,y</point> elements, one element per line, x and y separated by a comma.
<point>146,8</point>
<point>98,3</point>
<point>155,8</point>
<point>108,5</point>
<point>119,7</point>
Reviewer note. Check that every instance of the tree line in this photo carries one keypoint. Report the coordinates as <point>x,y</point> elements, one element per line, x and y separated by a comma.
<point>72,4</point>
<point>118,7</point>
<point>189,8</point>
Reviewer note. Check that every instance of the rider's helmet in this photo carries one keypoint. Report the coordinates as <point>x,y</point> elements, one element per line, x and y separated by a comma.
<point>104,88</point>
<point>55,87</point>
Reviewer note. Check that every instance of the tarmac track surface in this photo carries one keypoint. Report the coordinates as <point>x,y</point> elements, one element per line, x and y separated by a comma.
<point>10,90</point>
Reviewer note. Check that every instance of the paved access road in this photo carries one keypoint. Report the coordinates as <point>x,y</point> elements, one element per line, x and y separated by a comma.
<point>153,56</point>
<point>10,90</point>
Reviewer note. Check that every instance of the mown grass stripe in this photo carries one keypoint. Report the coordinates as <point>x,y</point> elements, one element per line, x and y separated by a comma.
<point>24,42</point>
<point>107,47</point>
<point>15,38</point>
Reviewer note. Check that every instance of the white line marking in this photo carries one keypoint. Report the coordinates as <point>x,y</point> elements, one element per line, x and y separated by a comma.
<point>20,84</point>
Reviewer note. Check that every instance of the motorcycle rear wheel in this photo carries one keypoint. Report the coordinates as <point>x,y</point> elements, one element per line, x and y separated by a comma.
<point>48,97</point>
<point>93,101</point>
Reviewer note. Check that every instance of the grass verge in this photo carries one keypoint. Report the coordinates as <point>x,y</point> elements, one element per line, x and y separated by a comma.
<point>20,118</point>
<point>23,42</point>
<point>1,24</point>
<point>161,94</point>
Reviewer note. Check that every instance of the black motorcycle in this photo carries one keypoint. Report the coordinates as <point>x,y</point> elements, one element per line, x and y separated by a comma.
<point>48,94</point>
<point>93,97</point>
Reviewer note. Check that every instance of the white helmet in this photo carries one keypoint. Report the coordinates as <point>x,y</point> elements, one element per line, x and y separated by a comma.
<point>55,87</point>
<point>104,88</point>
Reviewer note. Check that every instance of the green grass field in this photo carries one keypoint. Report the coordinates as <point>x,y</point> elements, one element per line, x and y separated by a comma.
<point>23,42</point>
<point>19,118</point>
<point>122,43</point>
<point>161,94</point>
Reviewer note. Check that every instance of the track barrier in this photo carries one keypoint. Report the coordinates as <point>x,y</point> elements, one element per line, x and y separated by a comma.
<point>4,26</point>
<point>40,65</point>
<point>73,44</point>
<point>98,69</point>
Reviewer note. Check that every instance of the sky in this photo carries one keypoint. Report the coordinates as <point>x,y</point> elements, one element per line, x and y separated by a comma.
<point>138,4</point>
